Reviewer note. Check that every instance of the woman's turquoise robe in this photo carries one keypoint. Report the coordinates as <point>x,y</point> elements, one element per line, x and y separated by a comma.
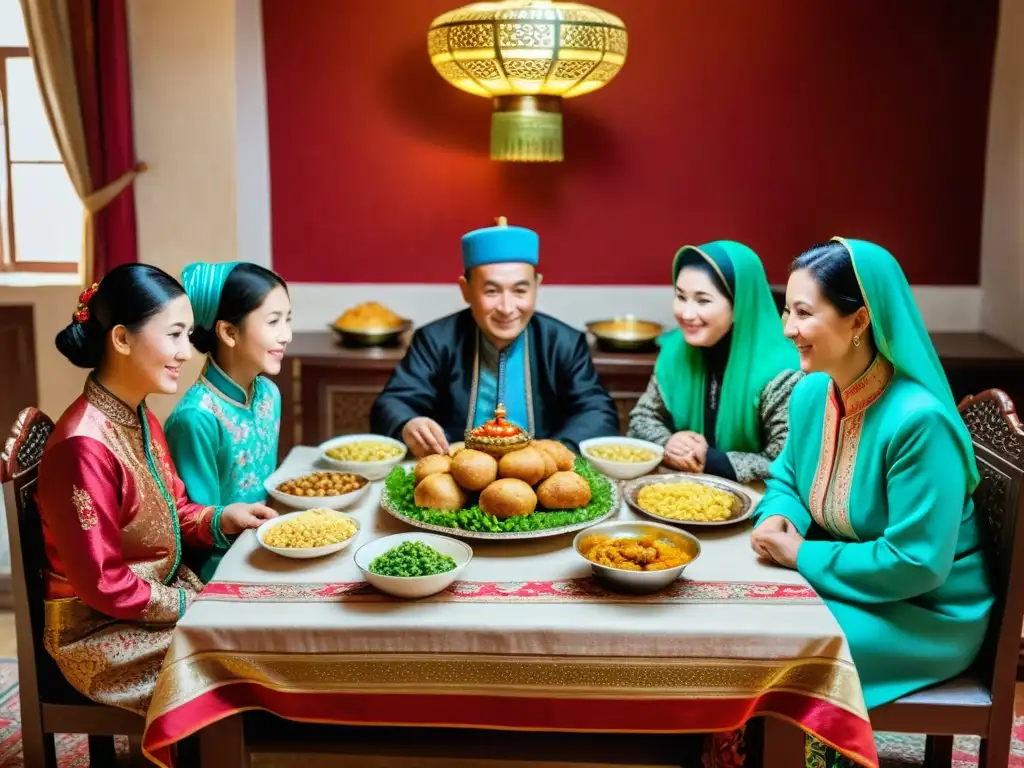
<point>223,442</point>
<point>878,479</point>
<point>877,487</point>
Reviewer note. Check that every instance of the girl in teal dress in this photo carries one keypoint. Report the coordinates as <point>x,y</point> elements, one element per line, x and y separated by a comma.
<point>870,500</point>
<point>223,433</point>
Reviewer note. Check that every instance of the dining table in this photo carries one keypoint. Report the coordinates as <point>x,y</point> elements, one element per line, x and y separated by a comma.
<point>524,640</point>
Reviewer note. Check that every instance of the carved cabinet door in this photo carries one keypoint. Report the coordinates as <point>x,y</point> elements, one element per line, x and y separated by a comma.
<point>347,409</point>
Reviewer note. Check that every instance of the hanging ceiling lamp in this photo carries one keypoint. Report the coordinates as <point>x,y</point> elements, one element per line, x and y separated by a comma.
<point>527,55</point>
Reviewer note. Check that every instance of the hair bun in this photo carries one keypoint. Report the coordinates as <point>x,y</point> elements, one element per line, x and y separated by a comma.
<point>82,343</point>
<point>203,339</point>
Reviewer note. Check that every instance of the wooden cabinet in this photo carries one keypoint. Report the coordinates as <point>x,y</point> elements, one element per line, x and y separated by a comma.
<point>625,377</point>
<point>328,390</point>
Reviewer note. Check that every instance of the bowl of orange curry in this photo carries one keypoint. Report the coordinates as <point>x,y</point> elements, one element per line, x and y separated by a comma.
<point>634,556</point>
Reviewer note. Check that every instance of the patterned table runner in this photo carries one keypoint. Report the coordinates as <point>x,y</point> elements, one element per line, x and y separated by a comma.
<point>555,591</point>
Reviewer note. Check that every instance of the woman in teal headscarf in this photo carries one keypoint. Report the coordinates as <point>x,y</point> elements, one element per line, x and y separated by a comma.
<point>717,400</point>
<point>223,434</point>
<point>872,504</point>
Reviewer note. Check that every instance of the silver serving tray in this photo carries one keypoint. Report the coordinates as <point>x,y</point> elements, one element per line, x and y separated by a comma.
<point>743,504</point>
<point>461,533</point>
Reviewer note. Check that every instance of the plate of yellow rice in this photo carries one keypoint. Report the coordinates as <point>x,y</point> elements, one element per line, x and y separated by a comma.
<point>684,498</point>
<point>307,534</point>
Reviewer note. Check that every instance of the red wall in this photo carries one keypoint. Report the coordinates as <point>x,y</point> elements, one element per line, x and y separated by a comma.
<point>776,123</point>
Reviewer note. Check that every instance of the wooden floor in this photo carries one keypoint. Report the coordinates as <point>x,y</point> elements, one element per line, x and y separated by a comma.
<point>8,649</point>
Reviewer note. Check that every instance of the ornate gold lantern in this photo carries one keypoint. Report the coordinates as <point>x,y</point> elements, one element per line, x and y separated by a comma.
<point>527,55</point>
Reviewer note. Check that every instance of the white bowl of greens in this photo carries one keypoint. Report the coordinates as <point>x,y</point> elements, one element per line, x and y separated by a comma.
<point>412,565</point>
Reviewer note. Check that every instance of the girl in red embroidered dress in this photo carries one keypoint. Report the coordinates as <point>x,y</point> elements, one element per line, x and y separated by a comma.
<point>114,511</point>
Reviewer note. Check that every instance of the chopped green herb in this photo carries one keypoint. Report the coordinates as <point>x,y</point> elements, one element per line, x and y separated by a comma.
<point>411,558</point>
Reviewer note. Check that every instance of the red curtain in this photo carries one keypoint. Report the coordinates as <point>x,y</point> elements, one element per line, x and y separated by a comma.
<point>99,31</point>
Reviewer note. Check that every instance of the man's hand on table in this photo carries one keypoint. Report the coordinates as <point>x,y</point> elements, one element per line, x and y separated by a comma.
<point>777,539</point>
<point>686,451</point>
<point>424,437</point>
<point>235,518</point>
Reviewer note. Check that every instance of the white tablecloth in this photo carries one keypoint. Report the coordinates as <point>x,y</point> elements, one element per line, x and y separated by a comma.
<point>739,629</point>
<point>738,643</point>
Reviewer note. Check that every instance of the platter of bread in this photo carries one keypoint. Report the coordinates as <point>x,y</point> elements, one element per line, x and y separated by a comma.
<point>501,484</point>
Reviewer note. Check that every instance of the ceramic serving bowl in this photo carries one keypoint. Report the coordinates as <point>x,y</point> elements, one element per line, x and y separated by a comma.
<point>622,470</point>
<point>303,553</point>
<point>638,582</point>
<point>413,587</point>
<point>375,470</point>
<point>341,501</point>
<point>626,333</point>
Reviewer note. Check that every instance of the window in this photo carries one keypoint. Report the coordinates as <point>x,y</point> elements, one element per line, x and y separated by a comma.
<point>40,213</point>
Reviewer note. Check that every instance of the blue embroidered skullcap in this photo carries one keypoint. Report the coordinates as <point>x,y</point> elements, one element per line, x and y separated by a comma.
<point>500,244</point>
<point>204,283</point>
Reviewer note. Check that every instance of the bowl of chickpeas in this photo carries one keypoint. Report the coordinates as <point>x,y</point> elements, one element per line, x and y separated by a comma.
<point>314,489</point>
<point>308,534</point>
<point>371,456</point>
<point>622,458</point>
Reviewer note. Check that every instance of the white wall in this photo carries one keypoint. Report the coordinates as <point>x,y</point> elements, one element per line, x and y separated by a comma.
<point>183,102</point>
<point>183,92</point>
<point>59,382</point>
<point>1002,243</point>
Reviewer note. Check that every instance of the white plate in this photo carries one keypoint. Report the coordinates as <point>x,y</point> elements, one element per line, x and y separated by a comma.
<point>342,501</point>
<point>375,470</point>
<point>622,470</point>
<point>307,552</point>
<point>413,586</point>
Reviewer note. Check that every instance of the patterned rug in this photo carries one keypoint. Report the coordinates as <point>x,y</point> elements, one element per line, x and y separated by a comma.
<point>895,750</point>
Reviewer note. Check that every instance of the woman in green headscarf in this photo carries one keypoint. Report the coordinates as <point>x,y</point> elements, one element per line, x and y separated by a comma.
<point>717,400</point>
<point>871,500</point>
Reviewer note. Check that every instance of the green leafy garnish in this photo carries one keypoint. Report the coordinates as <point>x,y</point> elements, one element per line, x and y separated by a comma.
<point>401,486</point>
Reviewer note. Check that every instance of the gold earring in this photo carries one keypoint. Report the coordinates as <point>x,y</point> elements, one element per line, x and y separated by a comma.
<point>856,341</point>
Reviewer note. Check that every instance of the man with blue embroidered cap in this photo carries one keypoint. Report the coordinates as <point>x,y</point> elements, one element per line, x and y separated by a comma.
<point>459,368</point>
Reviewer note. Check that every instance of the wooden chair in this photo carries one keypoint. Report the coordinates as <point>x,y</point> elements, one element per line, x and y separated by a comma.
<point>980,702</point>
<point>49,704</point>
